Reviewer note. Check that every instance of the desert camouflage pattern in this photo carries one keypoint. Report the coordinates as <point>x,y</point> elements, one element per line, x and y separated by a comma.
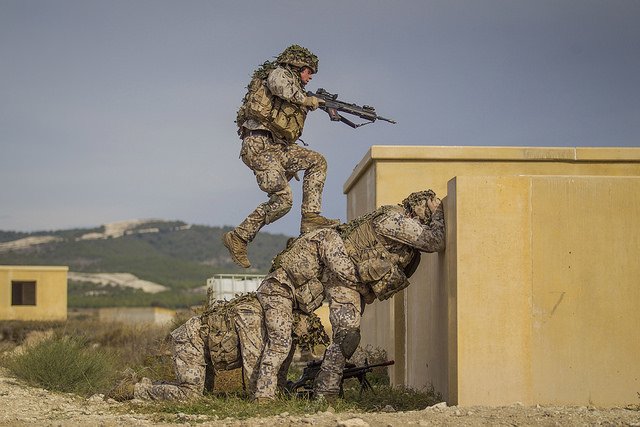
<point>190,353</point>
<point>274,164</point>
<point>277,303</point>
<point>397,230</point>
<point>305,261</point>
<point>345,311</point>
<point>189,366</point>
<point>313,252</point>
<point>284,83</point>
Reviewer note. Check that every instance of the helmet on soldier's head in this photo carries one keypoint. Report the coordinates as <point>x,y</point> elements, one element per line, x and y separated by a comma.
<point>298,56</point>
<point>417,198</point>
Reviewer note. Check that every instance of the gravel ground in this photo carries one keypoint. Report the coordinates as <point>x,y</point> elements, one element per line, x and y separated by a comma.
<point>22,405</point>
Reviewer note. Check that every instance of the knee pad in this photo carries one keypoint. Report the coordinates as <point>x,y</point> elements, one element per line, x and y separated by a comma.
<point>348,340</point>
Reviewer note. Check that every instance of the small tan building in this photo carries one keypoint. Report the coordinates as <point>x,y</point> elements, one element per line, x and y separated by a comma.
<point>33,292</point>
<point>536,298</point>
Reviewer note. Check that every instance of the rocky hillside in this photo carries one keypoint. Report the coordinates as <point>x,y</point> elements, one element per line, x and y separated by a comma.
<point>171,254</point>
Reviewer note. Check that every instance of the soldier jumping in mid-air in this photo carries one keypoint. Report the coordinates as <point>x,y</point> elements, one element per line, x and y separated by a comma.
<point>270,121</point>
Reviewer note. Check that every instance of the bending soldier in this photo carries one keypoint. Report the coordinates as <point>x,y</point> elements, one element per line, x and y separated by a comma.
<point>294,283</point>
<point>270,122</point>
<point>385,246</point>
<point>229,335</point>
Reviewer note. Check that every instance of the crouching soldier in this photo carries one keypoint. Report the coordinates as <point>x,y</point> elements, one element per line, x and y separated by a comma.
<point>294,284</point>
<point>229,335</point>
<point>385,246</point>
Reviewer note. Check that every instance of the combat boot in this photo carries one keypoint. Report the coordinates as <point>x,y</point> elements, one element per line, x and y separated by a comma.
<point>237,248</point>
<point>124,390</point>
<point>313,221</point>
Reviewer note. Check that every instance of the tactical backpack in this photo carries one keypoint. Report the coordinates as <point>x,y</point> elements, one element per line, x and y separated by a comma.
<point>258,101</point>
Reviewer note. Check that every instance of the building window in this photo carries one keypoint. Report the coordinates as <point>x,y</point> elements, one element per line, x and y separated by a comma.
<point>23,293</point>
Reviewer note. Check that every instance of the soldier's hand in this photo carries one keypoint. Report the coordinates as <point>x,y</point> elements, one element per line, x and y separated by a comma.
<point>433,204</point>
<point>312,102</point>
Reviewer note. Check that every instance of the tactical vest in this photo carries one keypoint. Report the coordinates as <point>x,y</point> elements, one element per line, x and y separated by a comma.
<point>381,269</point>
<point>222,337</point>
<point>283,118</point>
<point>308,290</point>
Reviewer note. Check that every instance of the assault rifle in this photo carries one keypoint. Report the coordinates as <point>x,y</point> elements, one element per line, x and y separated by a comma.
<point>304,384</point>
<point>332,106</point>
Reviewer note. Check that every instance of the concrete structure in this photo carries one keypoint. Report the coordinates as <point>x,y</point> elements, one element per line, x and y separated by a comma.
<point>33,292</point>
<point>227,286</point>
<point>137,315</point>
<point>536,298</point>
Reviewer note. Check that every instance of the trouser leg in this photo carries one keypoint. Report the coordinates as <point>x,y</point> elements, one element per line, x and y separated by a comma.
<point>189,367</point>
<point>251,334</point>
<point>279,204</point>
<point>315,174</point>
<point>278,323</point>
<point>344,315</point>
<point>265,159</point>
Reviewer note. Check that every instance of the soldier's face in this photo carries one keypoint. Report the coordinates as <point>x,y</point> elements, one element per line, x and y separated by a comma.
<point>306,75</point>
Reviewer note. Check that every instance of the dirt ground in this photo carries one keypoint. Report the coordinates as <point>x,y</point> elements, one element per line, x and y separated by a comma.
<point>22,405</point>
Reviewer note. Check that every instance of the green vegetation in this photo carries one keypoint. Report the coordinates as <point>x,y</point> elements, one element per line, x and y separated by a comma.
<point>64,364</point>
<point>90,295</point>
<point>176,256</point>
<point>236,405</point>
<point>84,356</point>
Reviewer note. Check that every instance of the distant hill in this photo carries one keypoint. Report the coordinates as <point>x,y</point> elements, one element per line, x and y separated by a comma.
<point>172,254</point>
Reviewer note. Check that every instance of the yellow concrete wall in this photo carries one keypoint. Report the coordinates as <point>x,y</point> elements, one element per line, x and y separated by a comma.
<point>547,296</point>
<point>51,292</point>
<point>414,328</point>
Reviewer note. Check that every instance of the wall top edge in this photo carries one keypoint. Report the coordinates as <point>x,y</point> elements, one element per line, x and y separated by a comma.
<point>34,267</point>
<point>491,153</point>
<point>479,153</point>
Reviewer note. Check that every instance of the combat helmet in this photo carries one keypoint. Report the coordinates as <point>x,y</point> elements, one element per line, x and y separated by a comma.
<point>298,56</point>
<point>416,198</point>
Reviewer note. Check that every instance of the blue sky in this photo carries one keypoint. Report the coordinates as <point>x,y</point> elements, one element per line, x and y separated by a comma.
<point>115,110</point>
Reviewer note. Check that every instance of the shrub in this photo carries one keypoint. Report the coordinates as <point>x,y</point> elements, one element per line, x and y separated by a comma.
<point>64,364</point>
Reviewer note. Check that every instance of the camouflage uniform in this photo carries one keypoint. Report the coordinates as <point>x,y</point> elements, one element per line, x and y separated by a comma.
<point>295,283</point>
<point>274,162</point>
<point>399,233</point>
<point>242,345</point>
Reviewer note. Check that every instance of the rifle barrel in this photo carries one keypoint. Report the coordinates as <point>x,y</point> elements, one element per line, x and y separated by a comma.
<point>364,367</point>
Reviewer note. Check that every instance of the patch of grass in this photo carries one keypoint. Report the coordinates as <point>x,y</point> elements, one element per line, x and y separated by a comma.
<point>238,406</point>
<point>401,398</point>
<point>64,364</point>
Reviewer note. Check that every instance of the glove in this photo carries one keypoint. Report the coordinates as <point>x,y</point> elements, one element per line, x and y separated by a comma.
<point>433,204</point>
<point>312,102</point>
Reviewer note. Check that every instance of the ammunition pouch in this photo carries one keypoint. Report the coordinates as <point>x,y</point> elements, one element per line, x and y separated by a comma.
<point>222,341</point>
<point>287,120</point>
<point>391,283</point>
<point>309,296</point>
